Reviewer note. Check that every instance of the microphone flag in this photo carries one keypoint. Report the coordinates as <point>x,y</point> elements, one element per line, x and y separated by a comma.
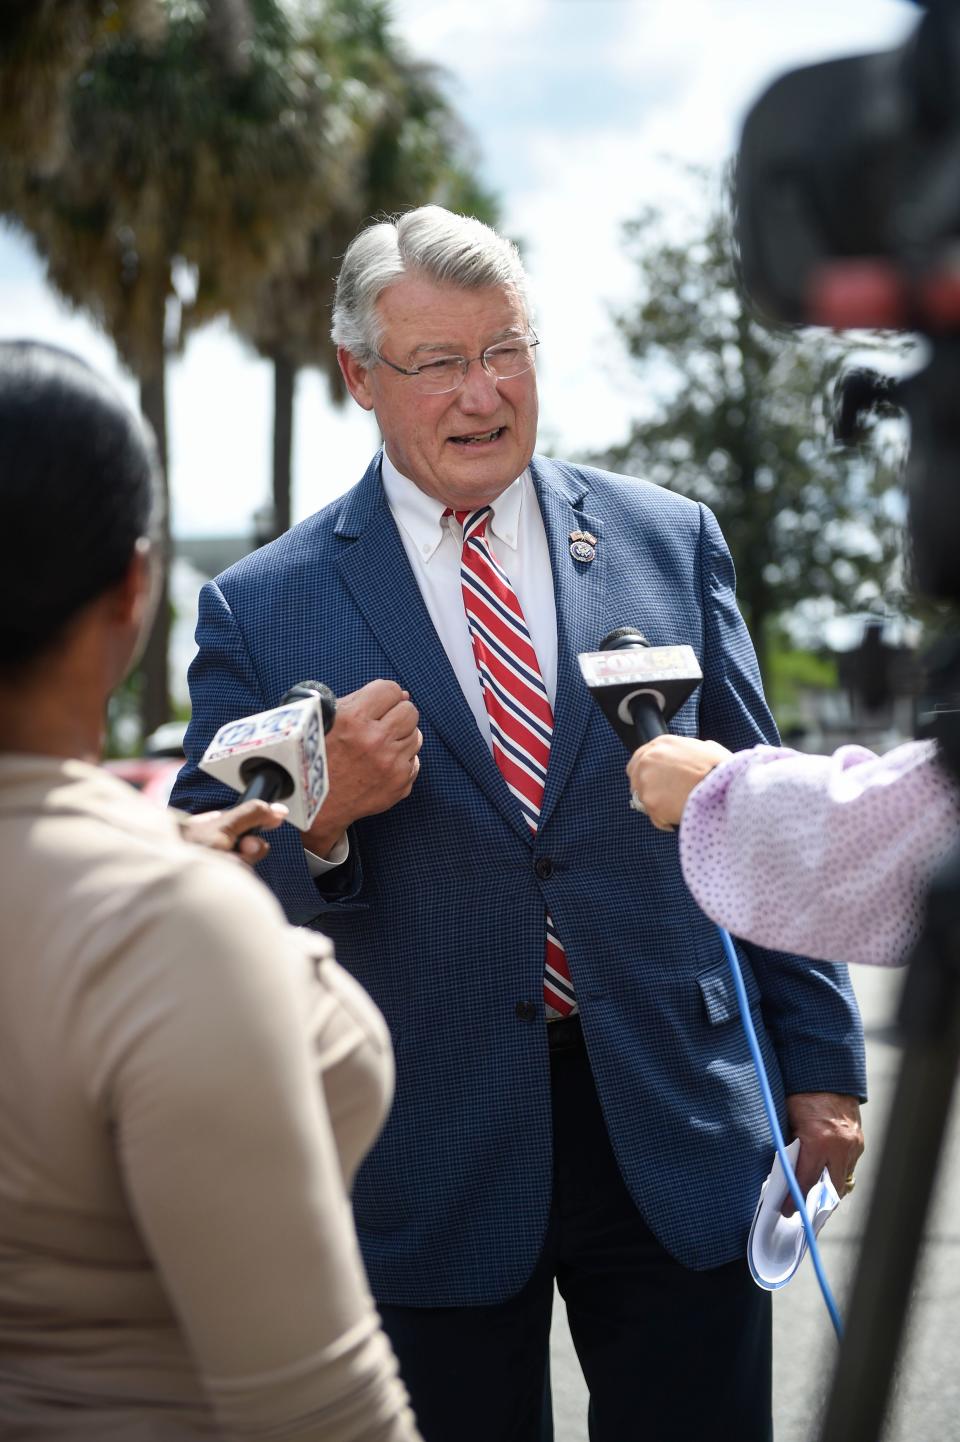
<point>289,737</point>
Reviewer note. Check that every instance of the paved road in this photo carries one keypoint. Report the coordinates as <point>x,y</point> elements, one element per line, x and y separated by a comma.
<point>926,1400</point>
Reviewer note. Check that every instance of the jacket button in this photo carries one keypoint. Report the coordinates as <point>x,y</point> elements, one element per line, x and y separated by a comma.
<point>543,866</point>
<point>526,1010</point>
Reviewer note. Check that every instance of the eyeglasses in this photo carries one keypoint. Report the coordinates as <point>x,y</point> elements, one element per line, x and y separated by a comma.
<point>503,361</point>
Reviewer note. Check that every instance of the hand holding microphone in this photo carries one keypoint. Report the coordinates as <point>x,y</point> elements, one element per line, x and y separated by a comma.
<point>664,771</point>
<point>278,755</point>
<point>639,687</point>
<point>369,764</point>
<point>373,760</point>
<point>234,829</point>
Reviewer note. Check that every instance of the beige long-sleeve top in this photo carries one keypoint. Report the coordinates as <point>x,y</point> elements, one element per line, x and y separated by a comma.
<point>187,1085</point>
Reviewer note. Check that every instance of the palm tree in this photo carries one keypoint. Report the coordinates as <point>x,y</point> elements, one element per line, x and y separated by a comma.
<point>44,45</point>
<point>402,145</point>
<point>175,159</point>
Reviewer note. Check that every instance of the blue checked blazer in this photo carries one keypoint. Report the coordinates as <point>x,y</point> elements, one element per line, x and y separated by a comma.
<point>440,910</point>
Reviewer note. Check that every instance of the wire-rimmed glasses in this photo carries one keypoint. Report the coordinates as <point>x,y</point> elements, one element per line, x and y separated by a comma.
<point>503,361</point>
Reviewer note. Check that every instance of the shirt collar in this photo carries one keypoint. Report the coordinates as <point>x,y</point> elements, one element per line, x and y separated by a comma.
<point>421,516</point>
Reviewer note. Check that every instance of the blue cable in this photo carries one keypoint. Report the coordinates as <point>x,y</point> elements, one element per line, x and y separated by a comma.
<point>777,1134</point>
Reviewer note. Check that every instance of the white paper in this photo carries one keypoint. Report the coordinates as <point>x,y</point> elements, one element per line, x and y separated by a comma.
<point>777,1243</point>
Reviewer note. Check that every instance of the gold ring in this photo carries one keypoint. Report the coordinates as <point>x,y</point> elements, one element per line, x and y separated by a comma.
<point>850,1182</point>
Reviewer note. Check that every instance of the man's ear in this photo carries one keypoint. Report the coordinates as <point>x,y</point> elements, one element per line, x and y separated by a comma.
<point>357,377</point>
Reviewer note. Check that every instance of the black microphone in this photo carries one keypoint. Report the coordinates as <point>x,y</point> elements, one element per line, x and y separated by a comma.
<point>638,686</point>
<point>303,690</point>
<point>279,755</point>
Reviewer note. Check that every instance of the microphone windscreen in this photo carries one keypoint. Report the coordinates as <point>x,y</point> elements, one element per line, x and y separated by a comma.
<point>622,636</point>
<point>328,701</point>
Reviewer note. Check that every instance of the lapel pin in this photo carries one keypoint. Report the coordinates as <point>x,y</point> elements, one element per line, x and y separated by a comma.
<point>583,546</point>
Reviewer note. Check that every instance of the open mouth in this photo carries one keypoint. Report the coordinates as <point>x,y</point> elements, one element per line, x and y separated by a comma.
<point>483,438</point>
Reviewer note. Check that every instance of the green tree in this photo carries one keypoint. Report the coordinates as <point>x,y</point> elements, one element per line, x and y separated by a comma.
<point>179,159</point>
<point>737,420</point>
<point>44,45</point>
<point>400,144</point>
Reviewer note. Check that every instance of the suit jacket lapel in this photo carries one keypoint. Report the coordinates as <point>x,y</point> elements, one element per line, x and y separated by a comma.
<point>579,592</point>
<point>376,570</point>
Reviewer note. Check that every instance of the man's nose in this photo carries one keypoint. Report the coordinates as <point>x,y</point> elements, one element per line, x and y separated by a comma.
<point>478,393</point>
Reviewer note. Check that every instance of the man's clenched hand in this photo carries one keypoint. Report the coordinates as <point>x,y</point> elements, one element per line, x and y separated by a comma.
<point>372,760</point>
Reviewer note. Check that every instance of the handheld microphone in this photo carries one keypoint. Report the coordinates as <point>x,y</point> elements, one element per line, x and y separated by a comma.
<point>279,755</point>
<point>638,686</point>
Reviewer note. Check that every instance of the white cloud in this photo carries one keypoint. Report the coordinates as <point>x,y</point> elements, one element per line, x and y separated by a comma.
<point>731,52</point>
<point>29,310</point>
<point>451,32</point>
<point>220,400</point>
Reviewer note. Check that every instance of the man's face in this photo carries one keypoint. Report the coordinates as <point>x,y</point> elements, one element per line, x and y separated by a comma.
<point>466,446</point>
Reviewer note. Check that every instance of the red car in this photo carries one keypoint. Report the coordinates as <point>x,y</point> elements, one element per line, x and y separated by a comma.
<point>155,772</point>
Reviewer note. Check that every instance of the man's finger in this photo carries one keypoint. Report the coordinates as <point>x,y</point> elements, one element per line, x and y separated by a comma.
<point>401,720</point>
<point>407,744</point>
<point>807,1176</point>
<point>375,699</point>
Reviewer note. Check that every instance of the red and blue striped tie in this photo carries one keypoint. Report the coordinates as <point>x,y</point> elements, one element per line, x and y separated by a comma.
<point>518,707</point>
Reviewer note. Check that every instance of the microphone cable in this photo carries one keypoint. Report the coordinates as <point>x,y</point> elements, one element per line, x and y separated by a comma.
<point>775,1131</point>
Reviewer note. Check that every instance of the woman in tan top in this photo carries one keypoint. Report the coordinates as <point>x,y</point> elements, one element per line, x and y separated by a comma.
<point>187,1084</point>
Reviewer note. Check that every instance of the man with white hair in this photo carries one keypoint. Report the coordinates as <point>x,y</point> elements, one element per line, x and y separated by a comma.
<point>575,1099</point>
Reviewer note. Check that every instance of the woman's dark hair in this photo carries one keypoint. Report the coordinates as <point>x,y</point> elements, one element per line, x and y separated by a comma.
<point>78,475</point>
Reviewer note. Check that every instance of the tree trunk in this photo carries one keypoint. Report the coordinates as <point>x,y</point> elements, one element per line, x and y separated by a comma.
<point>753,591</point>
<point>155,694</point>
<point>284,386</point>
<point>752,533</point>
<point>760,629</point>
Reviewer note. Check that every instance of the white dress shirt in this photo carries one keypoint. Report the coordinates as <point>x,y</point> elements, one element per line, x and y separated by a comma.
<point>433,544</point>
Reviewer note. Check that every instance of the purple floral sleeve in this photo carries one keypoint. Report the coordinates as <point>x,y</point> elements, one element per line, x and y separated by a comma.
<point>823,855</point>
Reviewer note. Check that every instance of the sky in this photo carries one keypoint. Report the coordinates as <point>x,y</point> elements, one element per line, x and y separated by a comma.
<point>580,111</point>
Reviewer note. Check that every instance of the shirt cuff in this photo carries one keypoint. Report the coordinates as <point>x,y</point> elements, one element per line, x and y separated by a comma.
<point>320,865</point>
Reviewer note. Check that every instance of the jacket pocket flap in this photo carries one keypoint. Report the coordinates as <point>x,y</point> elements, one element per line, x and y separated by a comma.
<point>719,995</point>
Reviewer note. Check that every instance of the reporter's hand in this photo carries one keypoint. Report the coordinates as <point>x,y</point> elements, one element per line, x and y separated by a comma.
<point>372,760</point>
<point>828,1126</point>
<point>220,829</point>
<point>664,772</point>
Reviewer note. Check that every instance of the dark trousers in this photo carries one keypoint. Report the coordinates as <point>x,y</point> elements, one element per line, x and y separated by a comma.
<point>668,1354</point>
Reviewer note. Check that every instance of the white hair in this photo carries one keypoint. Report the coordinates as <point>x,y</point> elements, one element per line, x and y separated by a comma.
<point>445,248</point>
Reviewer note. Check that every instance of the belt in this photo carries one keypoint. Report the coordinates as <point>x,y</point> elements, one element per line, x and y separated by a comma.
<point>565,1034</point>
